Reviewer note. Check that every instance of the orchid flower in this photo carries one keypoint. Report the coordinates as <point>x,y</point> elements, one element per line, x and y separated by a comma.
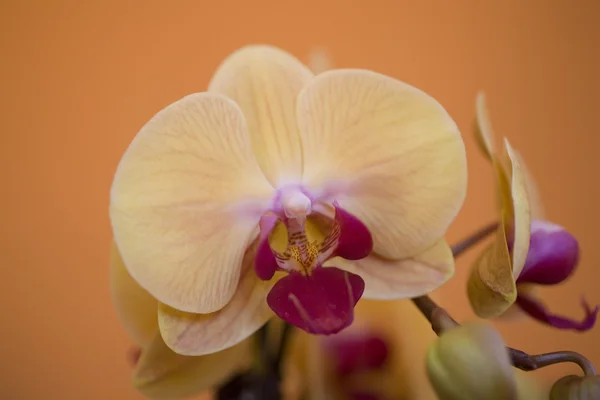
<point>280,192</point>
<point>528,250</point>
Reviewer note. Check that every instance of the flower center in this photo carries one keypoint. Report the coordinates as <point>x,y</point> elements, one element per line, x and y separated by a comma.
<point>297,237</point>
<point>301,253</point>
<point>296,204</point>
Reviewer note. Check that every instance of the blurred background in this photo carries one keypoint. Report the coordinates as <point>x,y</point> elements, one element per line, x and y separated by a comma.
<point>78,79</point>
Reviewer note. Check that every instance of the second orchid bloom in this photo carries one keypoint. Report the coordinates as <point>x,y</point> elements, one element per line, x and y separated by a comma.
<point>528,251</point>
<point>280,192</point>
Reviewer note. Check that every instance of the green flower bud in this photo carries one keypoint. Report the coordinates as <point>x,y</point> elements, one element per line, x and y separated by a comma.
<point>574,387</point>
<point>470,362</point>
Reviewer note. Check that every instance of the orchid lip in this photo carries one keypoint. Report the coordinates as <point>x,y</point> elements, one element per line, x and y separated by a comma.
<point>317,299</point>
<point>322,303</point>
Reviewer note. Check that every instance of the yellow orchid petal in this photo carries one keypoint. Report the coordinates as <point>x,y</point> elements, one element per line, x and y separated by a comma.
<point>516,313</point>
<point>536,206</point>
<point>491,287</point>
<point>187,174</point>
<point>521,213</point>
<point>135,307</point>
<point>199,334</point>
<point>471,362</point>
<point>484,133</point>
<point>401,279</point>
<point>265,81</point>
<point>163,374</point>
<point>387,152</point>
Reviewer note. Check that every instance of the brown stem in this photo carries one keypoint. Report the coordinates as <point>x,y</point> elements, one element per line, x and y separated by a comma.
<point>441,321</point>
<point>527,362</point>
<point>472,240</point>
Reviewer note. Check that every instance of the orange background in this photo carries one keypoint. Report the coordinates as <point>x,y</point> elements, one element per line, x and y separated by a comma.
<point>78,79</point>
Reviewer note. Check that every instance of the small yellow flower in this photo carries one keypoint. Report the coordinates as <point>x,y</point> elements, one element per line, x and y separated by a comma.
<point>528,250</point>
<point>280,192</point>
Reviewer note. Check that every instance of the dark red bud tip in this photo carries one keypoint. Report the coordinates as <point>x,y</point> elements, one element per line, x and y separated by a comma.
<point>321,303</point>
<point>355,353</point>
<point>355,242</point>
<point>538,311</point>
<point>552,257</point>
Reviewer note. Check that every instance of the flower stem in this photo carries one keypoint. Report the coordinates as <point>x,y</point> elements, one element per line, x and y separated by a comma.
<point>472,240</point>
<point>441,321</point>
<point>527,362</point>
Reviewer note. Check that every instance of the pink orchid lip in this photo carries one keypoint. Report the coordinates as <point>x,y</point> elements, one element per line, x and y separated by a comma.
<point>358,353</point>
<point>552,257</point>
<point>538,311</point>
<point>320,303</point>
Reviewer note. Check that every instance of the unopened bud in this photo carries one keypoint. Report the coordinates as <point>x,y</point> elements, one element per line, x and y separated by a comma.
<point>553,254</point>
<point>471,362</point>
<point>574,387</point>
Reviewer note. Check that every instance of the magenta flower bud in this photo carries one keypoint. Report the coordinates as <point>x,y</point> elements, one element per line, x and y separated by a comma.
<point>552,257</point>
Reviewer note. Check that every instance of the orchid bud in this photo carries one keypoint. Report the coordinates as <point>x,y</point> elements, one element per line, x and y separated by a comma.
<point>553,254</point>
<point>471,362</point>
<point>574,387</point>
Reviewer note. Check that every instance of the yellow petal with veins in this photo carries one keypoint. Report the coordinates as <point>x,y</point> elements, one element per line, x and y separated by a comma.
<point>162,374</point>
<point>401,279</point>
<point>520,212</point>
<point>199,334</point>
<point>484,133</point>
<point>265,81</point>
<point>536,206</point>
<point>135,307</point>
<point>187,174</point>
<point>387,152</point>
<point>491,286</point>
